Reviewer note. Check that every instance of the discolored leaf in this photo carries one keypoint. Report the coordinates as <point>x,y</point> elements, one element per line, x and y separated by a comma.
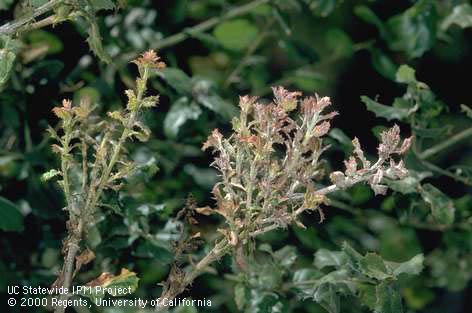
<point>111,284</point>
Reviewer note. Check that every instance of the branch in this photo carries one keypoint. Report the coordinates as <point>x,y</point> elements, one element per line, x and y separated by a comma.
<point>173,287</point>
<point>445,144</point>
<point>13,26</point>
<point>202,27</point>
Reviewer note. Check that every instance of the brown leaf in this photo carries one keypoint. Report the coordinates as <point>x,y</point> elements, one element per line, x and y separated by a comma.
<point>206,210</point>
<point>84,258</point>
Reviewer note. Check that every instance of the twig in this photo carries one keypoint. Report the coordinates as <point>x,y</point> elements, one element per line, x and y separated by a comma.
<point>13,26</point>
<point>202,27</point>
<point>445,144</point>
<point>217,252</point>
<point>250,51</point>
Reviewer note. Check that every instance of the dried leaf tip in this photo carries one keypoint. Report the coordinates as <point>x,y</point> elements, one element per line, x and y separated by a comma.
<point>150,59</point>
<point>67,104</point>
<point>247,102</point>
<point>63,111</point>
<point>214,140</point>
<point>286,99</point>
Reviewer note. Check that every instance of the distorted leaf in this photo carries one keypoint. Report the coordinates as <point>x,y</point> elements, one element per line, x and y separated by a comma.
<point>385,111</point>
<point>95,41</point>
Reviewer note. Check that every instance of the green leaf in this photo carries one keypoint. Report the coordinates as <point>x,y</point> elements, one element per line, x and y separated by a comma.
<point>38,3</point>
<point>8,50</point>
<point>265,302</point>
<point>388,299</point>
<point>177,79</point>
<point>414,266</point>
<point>148,249</point>
<point>388,112</point>
<point>467,110</point>
<point>368,16</point>
<point>180,112</point>
<point>49,174</point>
<point>413,31</point>
<point>95,41</point>
<point>322,8</point>
<point>11,218</point>
<point>461,15</point>
<point>240,296</point>
<point>372,265</point>
<point>338,43</point>
<point>102,4</point>
<point>324,257</point>
<point>325,289</point>
<point>286,256</point>
<point>442,207</point>
<point>383,64</point>
<point>354,258</point>
<point>236,34</point>
<point>205,177</point>
<point>40,38</point>
<point>5,4</point>
<point>205,95</point>
<point>367,295</point>
<point>6,63</point>
<point>405,74</point>
<point>345,142</point>
<point>408,184</point>
<point>398,243</point>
